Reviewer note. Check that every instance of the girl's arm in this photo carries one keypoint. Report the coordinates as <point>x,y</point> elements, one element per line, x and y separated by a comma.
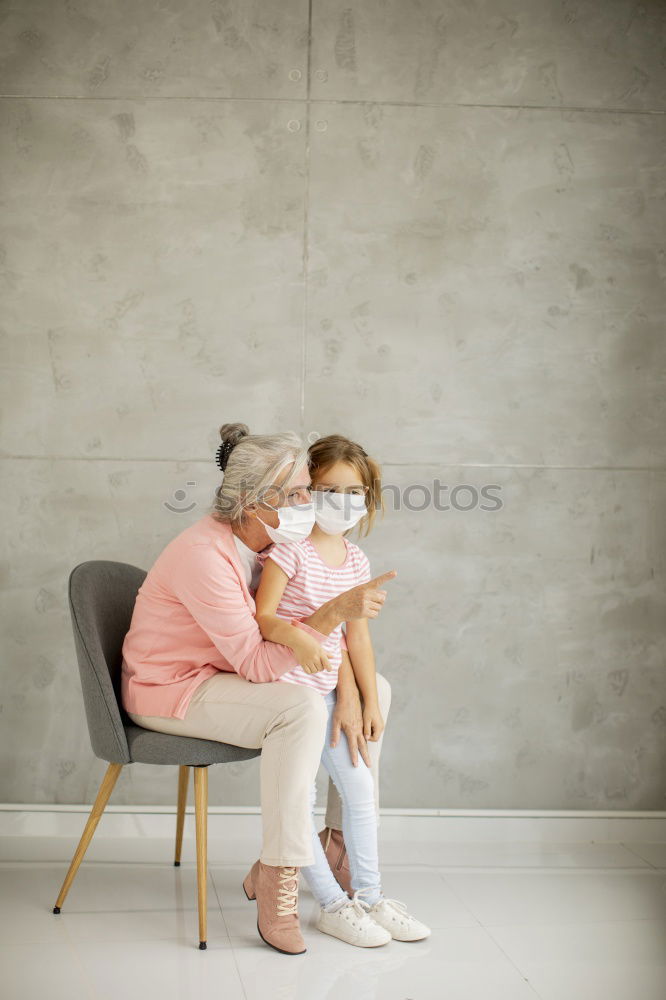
<point>361,654</point>
<point>346,688</point>
<point>273,580</point>
<point>269,594</point>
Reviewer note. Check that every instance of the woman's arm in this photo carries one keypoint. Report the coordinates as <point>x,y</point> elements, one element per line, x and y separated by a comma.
<point>346,688</point>
<point>310,654</point>
<point>208,586</point>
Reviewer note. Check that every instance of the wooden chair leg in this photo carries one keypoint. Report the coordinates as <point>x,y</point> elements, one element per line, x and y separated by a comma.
<point>105,789</point>
<point>183,780</point>
<point>201,824</point>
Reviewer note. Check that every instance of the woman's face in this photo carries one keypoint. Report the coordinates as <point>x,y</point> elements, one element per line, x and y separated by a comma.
<point>297,492</point>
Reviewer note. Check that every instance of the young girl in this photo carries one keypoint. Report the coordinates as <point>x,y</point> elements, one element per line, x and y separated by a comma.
<point>297,578</point>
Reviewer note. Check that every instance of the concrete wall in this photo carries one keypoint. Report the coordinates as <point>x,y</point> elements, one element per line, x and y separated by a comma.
<point>435,227</point>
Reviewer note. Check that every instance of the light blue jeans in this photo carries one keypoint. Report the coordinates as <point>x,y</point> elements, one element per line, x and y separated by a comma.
<point>359,823</point>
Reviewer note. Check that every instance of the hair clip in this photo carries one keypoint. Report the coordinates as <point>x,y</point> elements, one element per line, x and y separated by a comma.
<point>222,454</point>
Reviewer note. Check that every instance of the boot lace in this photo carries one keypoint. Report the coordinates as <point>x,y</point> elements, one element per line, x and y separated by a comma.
<point>287,894</point>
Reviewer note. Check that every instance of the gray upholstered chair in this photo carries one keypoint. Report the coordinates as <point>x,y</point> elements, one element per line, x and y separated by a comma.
<point>101,601</point>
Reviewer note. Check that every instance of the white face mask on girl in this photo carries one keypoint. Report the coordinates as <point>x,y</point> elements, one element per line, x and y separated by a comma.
<point>294,523</point>
<point>338,512</point>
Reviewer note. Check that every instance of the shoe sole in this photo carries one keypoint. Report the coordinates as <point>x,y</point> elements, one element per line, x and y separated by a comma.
<point>411,940</point>
<point>274,946</point>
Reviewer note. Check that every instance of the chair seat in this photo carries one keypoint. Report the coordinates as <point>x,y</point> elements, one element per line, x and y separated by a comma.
<point>148,747</point>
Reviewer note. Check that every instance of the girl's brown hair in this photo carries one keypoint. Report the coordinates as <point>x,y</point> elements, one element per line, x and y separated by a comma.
<point>326,451</point>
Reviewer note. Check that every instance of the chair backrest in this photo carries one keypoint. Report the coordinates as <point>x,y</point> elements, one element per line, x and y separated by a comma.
<point>101,601</point>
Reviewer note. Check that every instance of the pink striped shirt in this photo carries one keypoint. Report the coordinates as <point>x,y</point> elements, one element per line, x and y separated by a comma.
<point>311,583</point>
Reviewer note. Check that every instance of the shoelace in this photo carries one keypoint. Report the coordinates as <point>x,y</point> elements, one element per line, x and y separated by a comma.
<point>358,908</point>
<point>361,904</point>
<point>396,903</point>
<point>357,905</point>
<point>287,897</point>
<point>400,907</point>
<point>359,892</point>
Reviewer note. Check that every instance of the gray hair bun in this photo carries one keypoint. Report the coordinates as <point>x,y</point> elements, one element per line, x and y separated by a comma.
<point>231,434</point>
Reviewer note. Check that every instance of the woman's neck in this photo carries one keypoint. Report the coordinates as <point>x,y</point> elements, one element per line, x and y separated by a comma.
<point>251,534</point>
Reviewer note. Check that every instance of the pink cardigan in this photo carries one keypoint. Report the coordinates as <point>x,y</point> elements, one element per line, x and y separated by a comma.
<point>193,616</point>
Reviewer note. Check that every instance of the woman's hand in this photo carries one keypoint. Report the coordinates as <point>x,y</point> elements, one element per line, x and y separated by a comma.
<point>310,655</point>
<point>347,715</point>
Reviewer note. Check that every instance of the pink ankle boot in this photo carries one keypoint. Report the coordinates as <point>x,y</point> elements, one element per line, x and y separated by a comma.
<point>276,890</point>
<point>334,848</point>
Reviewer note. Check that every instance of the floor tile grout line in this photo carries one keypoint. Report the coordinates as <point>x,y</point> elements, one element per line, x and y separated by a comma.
<point>522,973</point>
<point>231,945</point>
<point>35,864</point>
<point>625,846</point>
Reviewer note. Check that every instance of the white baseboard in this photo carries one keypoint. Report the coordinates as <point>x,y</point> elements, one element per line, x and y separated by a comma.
<point>407,836</point>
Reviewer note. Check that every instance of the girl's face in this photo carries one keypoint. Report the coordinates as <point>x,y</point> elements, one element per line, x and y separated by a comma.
<point>341,477</point>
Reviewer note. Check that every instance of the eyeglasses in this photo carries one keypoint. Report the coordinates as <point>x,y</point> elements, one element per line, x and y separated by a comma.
<point>296,495</point>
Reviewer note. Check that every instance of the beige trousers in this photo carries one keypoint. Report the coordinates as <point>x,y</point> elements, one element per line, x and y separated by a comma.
<point>288,723</point>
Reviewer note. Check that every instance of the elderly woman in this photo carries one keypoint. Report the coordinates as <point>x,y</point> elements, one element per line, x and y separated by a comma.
<point>195,664</point>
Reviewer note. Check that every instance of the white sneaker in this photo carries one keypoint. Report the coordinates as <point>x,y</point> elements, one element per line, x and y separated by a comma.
<point>392,915</point>
<point>351,923</point>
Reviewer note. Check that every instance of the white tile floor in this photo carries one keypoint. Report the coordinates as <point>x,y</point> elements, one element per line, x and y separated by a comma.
<point>509,922</point>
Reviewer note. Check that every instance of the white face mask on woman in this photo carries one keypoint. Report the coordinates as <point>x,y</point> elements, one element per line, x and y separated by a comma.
<point>338,512</point>
<point>294,523</point>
